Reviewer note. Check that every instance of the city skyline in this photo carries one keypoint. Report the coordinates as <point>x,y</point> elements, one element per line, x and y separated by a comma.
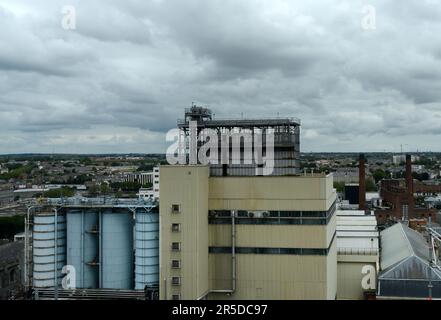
<point>117,82</point>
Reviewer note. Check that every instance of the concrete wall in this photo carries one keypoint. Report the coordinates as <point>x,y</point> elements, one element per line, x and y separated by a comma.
<point>187,187</point>
<point>349,275</point>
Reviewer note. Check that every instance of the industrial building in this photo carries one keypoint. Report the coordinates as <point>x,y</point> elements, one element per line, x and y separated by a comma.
<point>358,246</point>
<point>398,198</point>
<point>229,232</point>
<point>237,237</point>
<point>153,192</point>
<point>111,245</point>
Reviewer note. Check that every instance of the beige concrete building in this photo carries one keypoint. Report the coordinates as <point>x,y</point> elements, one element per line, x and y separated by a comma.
<point>254,237</point>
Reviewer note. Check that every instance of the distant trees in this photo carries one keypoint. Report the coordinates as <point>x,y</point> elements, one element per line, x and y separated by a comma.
<point>340,186</point>
<point>370,185</point>
<point>58,193</point>
<point>129,186</point>
<point>10,226</point>
<point>420,176</point>
<point>145,167</point>
<point>379,175</point>
<point>18,171</point>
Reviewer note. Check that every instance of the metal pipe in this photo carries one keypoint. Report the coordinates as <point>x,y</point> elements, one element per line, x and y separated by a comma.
<point>165,289</point>
<point>26,253</point>
<point>233,260</point>
<point>233,251</point>
<point>55,254</point>
<point>27,246</point>
<point>82,249</point>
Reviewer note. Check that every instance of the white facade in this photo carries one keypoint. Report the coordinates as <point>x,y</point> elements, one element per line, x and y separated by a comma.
<point>151,193</point>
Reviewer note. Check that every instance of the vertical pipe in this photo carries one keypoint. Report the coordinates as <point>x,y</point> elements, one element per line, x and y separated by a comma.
<point>55,254</point>
<point>409,185</point>
<point>233,251</point>
<point>361,183</point>
<point>82,249</point>
<point>100,249</point>
<point>165,289</point>
<point>26,253</point>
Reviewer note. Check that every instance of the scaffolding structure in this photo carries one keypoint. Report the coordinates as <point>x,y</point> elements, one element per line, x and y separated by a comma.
<point>285,130</point>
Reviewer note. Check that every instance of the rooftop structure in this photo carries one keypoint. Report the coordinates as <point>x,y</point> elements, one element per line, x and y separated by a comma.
<point>286,141</point>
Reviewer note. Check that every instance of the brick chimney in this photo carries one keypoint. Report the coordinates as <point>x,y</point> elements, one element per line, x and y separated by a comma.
<point>362,183</point>
<point>409,184</point>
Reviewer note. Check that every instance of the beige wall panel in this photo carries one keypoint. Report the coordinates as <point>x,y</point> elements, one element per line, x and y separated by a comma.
<point>267,236</point>
<point>271,276</point>
<point>349,280</point>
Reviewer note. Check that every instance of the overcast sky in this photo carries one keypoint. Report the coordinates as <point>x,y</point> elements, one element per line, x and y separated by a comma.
<point>121,78</point>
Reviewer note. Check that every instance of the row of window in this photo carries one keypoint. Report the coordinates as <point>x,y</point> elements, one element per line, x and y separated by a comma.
<point>274,214</point>
<point>274,221</point>
<point>290,251</point>
<point>274,217</point>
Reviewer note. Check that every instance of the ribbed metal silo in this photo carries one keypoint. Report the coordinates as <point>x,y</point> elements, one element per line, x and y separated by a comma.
<point>49,249</point>
<point>146,249</point>
<point>116,250</point>
<point>82,246</point>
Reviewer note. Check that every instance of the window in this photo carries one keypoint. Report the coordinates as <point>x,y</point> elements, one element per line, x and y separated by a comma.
<point>176,264</point>
<point>176,227</point>
<point>176,246</point>
<point>176,281</point>
<point>176,297</point>
<point>176,208</point>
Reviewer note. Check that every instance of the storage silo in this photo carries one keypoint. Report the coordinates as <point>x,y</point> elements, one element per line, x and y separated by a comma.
<point>49,249</point>
<point>82,246</point>
<point>116,250</point>
<point>146,249</point>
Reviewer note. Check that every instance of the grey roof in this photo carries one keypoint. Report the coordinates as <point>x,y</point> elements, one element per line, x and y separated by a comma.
<point>405,254</point>
<point>11,252</point>
<point>406,271</point>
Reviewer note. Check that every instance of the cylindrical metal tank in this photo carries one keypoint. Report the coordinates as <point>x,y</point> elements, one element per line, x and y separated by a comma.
<point>82,247</point>
<point>146,249</point>
<point>49,249</point>
<point>116,250</point>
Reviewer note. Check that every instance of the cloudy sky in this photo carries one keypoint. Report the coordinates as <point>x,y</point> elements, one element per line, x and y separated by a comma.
<point>120,79</point>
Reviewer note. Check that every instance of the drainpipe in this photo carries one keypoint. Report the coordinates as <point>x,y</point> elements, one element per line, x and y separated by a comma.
<point>55,255</point>
<point>233,251</point>
<point>233,261</point>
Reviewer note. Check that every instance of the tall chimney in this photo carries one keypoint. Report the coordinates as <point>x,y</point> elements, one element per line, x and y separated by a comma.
<point>361,183</point>
<point>409,184</point>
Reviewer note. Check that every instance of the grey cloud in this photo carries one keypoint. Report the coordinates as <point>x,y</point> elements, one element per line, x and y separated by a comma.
<point>122,78</point>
